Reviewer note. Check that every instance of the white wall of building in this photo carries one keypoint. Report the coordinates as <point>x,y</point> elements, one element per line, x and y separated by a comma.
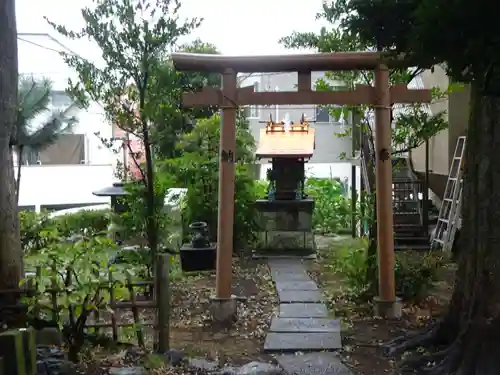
<point>63,184</point>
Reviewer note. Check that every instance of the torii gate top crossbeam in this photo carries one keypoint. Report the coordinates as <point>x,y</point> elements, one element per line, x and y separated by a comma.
<point>281,63</point>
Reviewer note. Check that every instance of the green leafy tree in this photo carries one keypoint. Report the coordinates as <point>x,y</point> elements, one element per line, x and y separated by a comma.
<point>173,120</point>
<point>413,126</point>
<point>34,98</point>
<point>197,169</point>
<point>463,37</point>
<point>11,262</point>
<point>133,36</point>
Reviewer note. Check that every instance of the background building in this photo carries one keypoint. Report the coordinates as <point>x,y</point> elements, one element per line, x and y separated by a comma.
<point>65,174</point>
<point>328,159</point>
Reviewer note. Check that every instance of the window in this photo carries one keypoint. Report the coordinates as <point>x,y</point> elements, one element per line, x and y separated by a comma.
<point>61,100</point>
<point>68,149</point>
<point>322,115</point>
<point>252,111</point>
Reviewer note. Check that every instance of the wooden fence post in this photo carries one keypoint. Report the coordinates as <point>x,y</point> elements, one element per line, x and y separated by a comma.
<point>135,311</point>
<point>53,294</point>
<point>163,301</point>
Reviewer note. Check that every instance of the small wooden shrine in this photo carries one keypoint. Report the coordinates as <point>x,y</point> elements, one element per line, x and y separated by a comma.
<point>286,211</point>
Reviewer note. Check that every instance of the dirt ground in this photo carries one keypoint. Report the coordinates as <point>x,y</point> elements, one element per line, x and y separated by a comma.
<point>362,334</point>
<point>191,329</point>
<point>193,333</point>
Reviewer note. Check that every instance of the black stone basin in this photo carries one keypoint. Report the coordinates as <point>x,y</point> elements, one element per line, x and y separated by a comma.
<point>198,258</point>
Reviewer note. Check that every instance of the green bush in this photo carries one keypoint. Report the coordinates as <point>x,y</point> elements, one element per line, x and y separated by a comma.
<point>133,221</point>
<point>37,230</point>
<point>415,272</point>
<point>349,261</point>
<point>80,272</point>
<point>332,210</point>
<point>88,221</point>
<point>261,189</point>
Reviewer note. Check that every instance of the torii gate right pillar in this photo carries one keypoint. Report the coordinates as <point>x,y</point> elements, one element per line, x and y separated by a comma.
<point>386,304</point>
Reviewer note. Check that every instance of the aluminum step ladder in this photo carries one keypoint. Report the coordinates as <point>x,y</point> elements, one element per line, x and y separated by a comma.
<point>449,214</point>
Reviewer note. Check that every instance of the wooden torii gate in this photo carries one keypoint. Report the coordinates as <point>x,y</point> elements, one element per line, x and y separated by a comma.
<point>230,97</point>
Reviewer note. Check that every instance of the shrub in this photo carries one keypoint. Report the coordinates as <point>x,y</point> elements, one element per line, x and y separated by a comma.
<point>36,229</point>
<point>133,221</point>
<point>415,273</point>
<point>261,189</point>
<point>332,210</point>
<point>78,273</point>
<point>349,261</point>
<point>88,221</point>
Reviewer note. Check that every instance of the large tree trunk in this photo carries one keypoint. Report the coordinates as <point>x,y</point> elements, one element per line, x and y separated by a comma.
<point>10,246</point>
<point>466,341</point>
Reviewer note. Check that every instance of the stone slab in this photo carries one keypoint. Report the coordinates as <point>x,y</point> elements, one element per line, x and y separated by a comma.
<point>296,285</point>
<point>263,254</point>
<point>284,263</point>
<point>322,363</point>
<point>300,296</point>
<point>302,341</point>
<point>288,269</point>
<point>303,310</point>
<point>290,275</point>
<point>304,325</point>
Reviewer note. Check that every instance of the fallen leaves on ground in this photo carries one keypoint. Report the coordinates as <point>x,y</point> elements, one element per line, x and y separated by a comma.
<point>191,327</point>
<point>363,334</point>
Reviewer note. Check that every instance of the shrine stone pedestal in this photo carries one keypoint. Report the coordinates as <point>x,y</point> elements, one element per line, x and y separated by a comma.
<point>285,227</point>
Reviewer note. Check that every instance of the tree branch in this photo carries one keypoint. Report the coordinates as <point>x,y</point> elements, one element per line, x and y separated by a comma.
<point>143,175</point>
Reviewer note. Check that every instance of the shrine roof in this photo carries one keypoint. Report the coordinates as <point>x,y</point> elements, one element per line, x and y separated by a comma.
<point>278,63</point>
<point>285,144</point>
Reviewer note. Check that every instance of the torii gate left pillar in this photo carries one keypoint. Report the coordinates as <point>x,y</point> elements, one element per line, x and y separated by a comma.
<point>224,304</point>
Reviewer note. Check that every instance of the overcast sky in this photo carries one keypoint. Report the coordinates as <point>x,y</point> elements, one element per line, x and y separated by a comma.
<point>236,27</point>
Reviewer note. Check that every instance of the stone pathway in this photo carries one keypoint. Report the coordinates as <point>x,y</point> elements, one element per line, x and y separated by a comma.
<point>302,333</point>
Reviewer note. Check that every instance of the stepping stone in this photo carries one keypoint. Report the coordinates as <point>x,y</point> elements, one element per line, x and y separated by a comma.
<point>304,325</point>
<point>280,263</point>
<point>302,341</point>
<point>303,310</point>
<point>300,296</point>
<point>285,267</point>
<point>290,275</point>
<point>296,285</point>
<point>312,364</point>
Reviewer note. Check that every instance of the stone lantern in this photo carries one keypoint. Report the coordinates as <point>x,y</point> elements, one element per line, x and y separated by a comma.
<point>116,191</point>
